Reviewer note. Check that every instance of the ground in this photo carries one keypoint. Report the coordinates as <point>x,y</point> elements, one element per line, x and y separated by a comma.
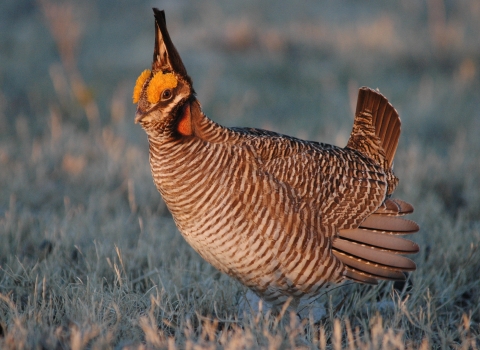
<point>89,255</point>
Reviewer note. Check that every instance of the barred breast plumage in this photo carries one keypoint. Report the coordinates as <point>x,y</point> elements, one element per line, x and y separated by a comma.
<point>286,217</point>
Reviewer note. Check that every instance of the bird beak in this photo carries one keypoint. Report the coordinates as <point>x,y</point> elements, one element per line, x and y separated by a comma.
<point>142,116</point>
<point>138,116</point>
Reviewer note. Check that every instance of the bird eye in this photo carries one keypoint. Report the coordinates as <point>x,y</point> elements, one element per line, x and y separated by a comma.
<point>166,94</point>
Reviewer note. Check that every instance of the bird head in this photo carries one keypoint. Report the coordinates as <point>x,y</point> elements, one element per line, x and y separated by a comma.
<point>164,94</point>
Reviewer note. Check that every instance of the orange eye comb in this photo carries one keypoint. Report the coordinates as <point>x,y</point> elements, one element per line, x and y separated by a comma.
<point>139,85</point>
<point>158,84</point>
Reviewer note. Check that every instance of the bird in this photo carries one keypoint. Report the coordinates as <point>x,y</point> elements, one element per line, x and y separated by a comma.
<point>288,218</point>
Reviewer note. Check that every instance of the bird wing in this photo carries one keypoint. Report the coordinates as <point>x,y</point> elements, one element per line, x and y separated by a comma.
<point>341,194</point>
<point>345,189</point>
<point>346,192</point>
<point>341,185</point>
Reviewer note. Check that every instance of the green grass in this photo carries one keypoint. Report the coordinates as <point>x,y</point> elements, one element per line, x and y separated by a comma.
<point>89,255</point>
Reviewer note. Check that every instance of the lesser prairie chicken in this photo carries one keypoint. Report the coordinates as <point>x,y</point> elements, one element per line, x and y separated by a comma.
<point>286,217</point>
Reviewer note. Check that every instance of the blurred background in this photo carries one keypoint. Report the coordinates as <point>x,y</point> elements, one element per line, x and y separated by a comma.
<point>289,66</point>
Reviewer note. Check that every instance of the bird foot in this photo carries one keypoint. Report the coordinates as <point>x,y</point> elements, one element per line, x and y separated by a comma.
<point>252,304</point>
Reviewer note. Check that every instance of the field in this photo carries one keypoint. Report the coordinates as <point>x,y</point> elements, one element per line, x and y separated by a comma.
<point>89,254</point>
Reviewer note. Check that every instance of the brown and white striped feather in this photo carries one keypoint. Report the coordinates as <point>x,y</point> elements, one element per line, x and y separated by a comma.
<point>266,208</point>
<point>286,217</point>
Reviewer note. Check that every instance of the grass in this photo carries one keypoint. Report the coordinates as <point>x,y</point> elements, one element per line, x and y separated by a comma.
<point>90,257</point>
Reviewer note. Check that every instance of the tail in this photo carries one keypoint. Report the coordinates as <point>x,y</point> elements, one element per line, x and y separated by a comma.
<point>372,250</point>
<point>376,128</point>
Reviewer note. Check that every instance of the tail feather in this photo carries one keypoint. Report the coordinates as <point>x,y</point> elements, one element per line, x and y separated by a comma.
<point>359,276</point>
<point>374,255</point>
<point>376,271</point>
<point>395,207</point>
<point>391,224</point>
<point>376,128</point>
<point>372,250</point>
<point>380,240</point>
